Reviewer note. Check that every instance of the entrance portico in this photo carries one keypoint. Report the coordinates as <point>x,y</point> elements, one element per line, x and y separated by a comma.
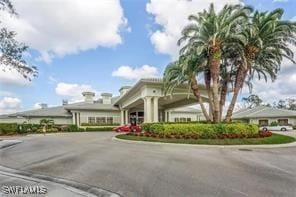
<point>146,98</point>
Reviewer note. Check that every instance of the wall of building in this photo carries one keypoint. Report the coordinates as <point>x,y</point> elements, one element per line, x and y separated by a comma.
<point>193,116</point>
<point>270,120</point>
<point>37,120</point>
<point>85,114</point>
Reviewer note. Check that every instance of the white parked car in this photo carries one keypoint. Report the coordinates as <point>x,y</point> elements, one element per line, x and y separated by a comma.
<point>276,128</point>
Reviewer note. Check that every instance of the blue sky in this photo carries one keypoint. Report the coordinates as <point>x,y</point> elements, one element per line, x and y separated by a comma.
<point>71,58</point>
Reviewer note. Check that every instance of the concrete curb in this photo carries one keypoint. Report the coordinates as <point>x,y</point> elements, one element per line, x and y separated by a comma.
<point>8,143</point>
<point>80,188</point>
<point>292,144</point>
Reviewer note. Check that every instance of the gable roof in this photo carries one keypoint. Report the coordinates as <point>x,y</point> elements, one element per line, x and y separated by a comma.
<point>64,111</point>
<point>45,112</point>
<point>263,112</point>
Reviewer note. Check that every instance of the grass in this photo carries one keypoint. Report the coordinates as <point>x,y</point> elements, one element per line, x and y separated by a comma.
<point>274,139</point>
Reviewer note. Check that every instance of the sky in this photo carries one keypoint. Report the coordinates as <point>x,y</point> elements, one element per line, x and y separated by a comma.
<point>89,45</point>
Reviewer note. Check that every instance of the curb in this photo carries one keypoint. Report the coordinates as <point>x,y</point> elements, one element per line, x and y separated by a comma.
<point>80,188</point>
<point>287,145</point>
<point>8,143</point>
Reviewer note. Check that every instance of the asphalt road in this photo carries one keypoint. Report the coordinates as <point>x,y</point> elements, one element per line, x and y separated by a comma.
<point>156,170</point>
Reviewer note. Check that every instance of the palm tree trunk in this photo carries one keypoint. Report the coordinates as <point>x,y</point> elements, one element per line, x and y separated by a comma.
<point>207,78</point>
<point>195,90</point>
<point>223,98</point>
<point>215,71</point>
<point>240,78</point>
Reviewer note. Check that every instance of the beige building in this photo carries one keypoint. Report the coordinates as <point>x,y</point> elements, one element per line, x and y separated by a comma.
<point>264,116</point>
<point>143,102</point>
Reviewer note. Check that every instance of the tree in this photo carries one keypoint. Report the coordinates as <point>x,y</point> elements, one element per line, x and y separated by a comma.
<point>234,47</point>
<point>46,123</point>
<point>265,44</point>
<point>281,104</point>
<point>291,104</point>
<point>209,33</point>
<point>185,70</point>
<point>252,101</point>
<point>11,51</point>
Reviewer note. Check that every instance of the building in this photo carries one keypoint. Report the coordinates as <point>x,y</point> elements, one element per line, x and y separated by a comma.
<point>143,102</point>
<point>264,115</point>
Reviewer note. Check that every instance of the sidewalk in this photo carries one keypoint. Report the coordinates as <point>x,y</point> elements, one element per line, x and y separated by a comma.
<point>11,179</point>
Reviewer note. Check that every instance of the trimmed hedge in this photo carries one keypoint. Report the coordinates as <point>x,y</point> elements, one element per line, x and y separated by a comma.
<point>203,131</point>
<point>99,128</point>
<point>8,128</point>
<point>98,124</point>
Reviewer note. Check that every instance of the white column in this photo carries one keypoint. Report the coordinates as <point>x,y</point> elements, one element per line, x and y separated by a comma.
<point>126,116</point>
<point>148,109</point>
<point>73,118</point>
<point>145,109</point>
<point>122,117</point>
<point>155,109</point>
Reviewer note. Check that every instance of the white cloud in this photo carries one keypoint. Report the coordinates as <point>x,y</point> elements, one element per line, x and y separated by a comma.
<point>130,73</point>
<point>52,80</point>
<point>9,105</point>
<point>171,16</point>
<point>10,76</point>
<point>58,28</point>
<point>280,0</point>
<point>73,91</point>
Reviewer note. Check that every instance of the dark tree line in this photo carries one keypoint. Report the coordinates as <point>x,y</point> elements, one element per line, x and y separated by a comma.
<point>255,101</point>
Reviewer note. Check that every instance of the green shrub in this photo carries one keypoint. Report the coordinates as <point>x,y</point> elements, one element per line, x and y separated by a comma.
<point>99,129</point>
<point>99,124</point>
<point>8,128</point>
<point>204,131</point>
<point>273,123</point>
<point>72,128</point>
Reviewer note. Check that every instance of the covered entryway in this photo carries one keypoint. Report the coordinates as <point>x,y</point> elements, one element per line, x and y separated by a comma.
<point>146,102</point>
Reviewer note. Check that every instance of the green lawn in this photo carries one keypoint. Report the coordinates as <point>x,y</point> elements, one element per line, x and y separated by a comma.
<point>274,139</point>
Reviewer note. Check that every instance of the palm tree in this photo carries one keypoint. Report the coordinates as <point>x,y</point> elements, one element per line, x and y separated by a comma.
<point>265,44</point>
<point>46,123</point>
<point>210,33</point>
<point>185,70</point>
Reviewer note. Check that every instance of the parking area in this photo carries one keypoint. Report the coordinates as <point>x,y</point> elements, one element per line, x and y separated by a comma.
<point>129,169</point>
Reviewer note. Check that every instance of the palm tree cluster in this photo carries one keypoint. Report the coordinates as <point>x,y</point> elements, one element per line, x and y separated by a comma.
<point>228,49</point>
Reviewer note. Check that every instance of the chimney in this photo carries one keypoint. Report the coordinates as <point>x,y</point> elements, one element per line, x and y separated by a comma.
<point>106,97</point>
<point>88,96</point>
<point>65,102</point>
<point>43,105</point>
<point>124,89</point>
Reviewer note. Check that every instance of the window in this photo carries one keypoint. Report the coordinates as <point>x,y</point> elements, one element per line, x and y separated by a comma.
<point>263,122</point>
<point>109,120</point>
<point>188,119</point>
<point>101,120</point>
<point>283,122</point>
<point>91,120</point>
<point>182,119</point>
<point>176,119</point>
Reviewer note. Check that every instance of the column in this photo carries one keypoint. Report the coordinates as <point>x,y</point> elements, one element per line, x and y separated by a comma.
<point>122,117</point>
<point>73,118</point>
<point>155,109</point>
<point>145,110</point>
<point>126,117</point>
<point>148,109</point>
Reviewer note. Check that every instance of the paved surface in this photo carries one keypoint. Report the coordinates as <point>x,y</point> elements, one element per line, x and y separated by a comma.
<point>7,142</point>
<point>156,170</point>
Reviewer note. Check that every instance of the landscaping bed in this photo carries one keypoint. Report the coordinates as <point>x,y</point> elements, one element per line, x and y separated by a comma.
<point>196,133</point>
<point>274,139</point>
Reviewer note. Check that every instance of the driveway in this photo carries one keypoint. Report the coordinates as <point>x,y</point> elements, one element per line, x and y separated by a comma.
<point>155,170</point>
